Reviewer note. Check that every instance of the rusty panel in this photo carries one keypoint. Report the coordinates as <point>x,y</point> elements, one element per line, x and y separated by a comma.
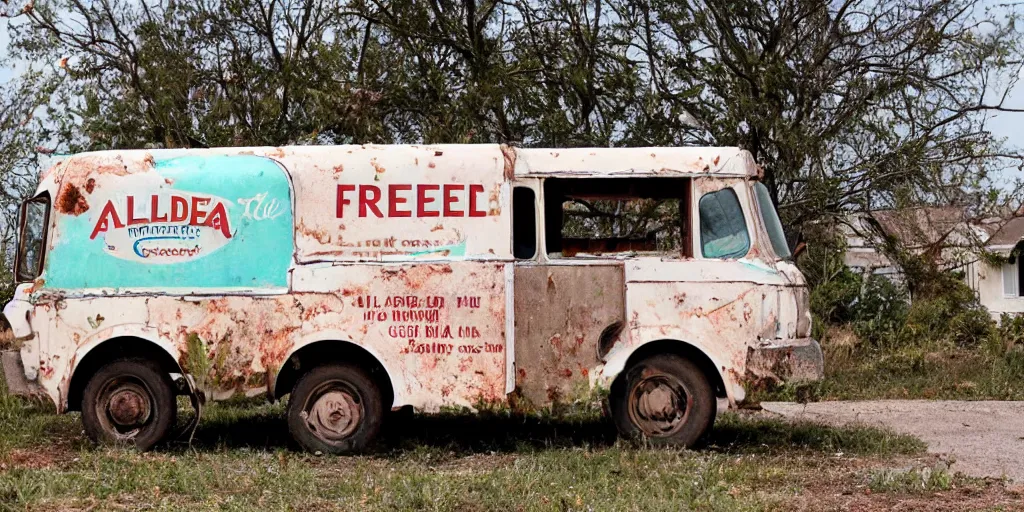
<point>437,328</point>
<point>560,313</point>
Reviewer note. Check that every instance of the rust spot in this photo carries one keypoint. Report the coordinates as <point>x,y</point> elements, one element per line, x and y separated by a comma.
<point>494,202</point>
<point>438,227</point>
<point>90,185</point>
<point>319,309</point>
<point>338,169</point>
<point>416,160</point>
<point>556,341</point>
<point>276,153</point>
<point>168,181</point>
<point>716,159</point>
<point>567,373</point>
<point>37,284</point>
<point>431,165</point>
<point>378,168</point>
<point>148,160</point>
<point>522,373</point>
<point>509,153</point>
<point>71,201</point>
<point>319,234</point>
<point>438,153</point>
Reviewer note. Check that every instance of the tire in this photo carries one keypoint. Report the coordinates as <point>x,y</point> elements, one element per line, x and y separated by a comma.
<point>335,408</point>
<point>129,402</point>
<point>665,399</point>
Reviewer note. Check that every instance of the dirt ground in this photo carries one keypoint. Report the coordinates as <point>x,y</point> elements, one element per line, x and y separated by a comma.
<point>981,439</point>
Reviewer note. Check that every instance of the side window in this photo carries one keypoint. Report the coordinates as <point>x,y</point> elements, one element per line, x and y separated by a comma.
<point>524,223</point>
<point>723,232</point>
<point>35,215</point>
<point>616,216</point>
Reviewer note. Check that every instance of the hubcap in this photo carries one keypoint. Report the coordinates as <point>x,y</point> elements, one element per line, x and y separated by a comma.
<point>128,408</point>
<point>334,415</point>
<point>659,405</point>
<point>125,407</point>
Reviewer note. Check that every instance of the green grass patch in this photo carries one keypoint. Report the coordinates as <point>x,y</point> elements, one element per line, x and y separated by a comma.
<point>947,373</point>
<point>241,458</point>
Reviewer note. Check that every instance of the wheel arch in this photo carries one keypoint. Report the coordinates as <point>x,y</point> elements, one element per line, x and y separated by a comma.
<point>708,366</point>
<point>91,357</point>
<point>308,355</point>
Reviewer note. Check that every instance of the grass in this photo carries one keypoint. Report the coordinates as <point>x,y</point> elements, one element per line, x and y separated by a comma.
<point>855,372</point>
<point>241,459</point>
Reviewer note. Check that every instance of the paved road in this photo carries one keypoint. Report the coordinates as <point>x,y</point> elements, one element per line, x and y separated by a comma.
<point>985,438</point>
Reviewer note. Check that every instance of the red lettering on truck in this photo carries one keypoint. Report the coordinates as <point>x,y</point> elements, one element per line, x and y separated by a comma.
<point>181,209</point>
<point>429,200</point>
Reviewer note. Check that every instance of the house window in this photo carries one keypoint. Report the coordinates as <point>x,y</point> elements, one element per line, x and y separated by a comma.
<point>608,216</point>
<point>1012,278</point>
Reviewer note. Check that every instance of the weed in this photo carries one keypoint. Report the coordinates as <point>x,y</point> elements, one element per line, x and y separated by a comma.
<point>912,480</point>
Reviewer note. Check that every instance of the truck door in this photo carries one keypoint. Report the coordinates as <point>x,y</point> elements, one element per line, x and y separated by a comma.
<point>563,309</point>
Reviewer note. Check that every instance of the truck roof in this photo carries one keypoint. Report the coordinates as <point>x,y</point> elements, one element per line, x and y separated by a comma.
<point>520,162</point>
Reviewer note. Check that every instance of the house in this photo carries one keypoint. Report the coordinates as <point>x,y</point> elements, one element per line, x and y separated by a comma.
<point>982,250</point>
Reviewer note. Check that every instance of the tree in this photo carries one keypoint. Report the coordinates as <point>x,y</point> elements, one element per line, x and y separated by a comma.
<point>850,105</point>
<point>20,134</point>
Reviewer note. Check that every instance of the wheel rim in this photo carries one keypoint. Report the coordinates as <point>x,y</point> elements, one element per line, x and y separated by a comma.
<point>333,411</point>
<point>125,407</point>
<point>659,404</point>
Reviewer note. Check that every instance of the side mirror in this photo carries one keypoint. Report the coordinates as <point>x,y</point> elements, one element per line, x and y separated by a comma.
<point>800,247</point>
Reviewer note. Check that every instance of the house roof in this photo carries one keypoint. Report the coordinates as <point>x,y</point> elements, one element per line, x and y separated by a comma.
<point>922,227</point>
<point>1008,233</point>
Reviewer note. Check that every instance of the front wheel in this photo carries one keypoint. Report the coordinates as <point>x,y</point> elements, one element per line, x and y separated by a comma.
<point>335,408</point>
<point>665,399</point>
<point>131,402</point>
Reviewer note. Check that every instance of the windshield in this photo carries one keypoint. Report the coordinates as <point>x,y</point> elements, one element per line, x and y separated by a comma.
<point>34,214</point>
<point>771,220</point>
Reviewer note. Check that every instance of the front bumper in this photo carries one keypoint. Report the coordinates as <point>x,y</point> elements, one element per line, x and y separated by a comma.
<point>14,375</point>
<point>792,360</point>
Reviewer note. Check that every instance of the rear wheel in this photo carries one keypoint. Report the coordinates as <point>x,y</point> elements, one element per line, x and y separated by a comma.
<point>665,399</point>
<point>130,402</point>
<point>335,408</point>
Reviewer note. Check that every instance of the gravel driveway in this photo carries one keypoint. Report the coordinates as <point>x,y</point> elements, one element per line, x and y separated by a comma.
<point>984,438</point>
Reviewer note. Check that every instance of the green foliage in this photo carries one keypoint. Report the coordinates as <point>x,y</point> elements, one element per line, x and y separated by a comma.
<point>1010,334</point>
<point>881,310</point>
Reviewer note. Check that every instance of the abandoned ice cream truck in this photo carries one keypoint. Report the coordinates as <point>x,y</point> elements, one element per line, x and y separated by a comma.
<point>358,279</point>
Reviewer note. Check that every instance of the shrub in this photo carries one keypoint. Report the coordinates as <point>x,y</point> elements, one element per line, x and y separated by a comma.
<point>833,301</point>
<point>880,310</point>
